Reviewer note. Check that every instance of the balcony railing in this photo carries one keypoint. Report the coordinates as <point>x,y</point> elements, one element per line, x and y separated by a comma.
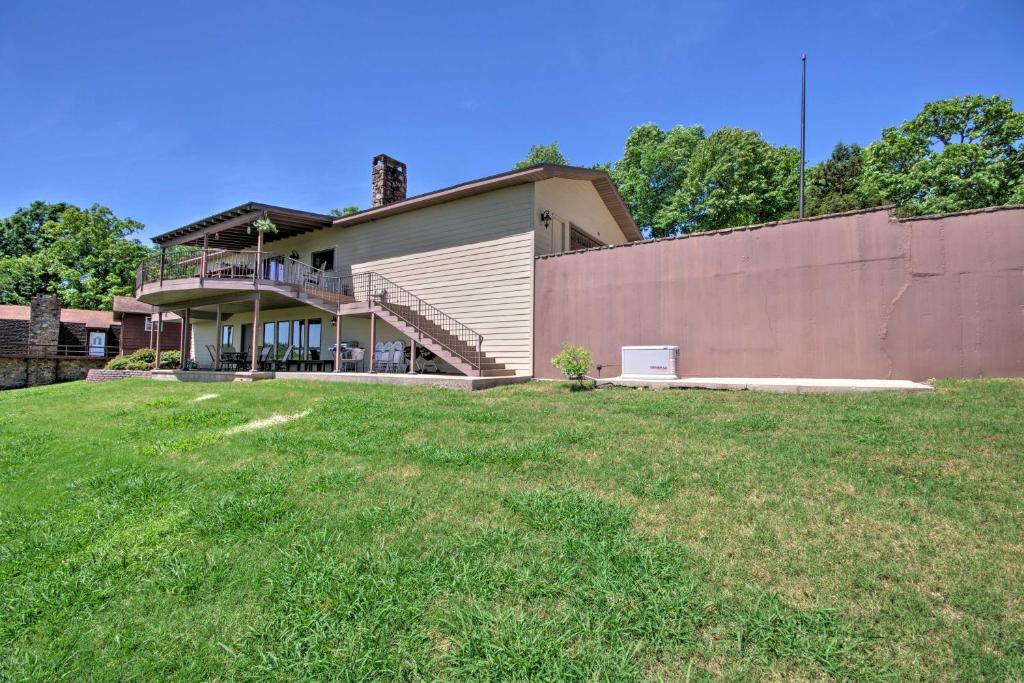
<point>25,350</point>
<point>370,287</point>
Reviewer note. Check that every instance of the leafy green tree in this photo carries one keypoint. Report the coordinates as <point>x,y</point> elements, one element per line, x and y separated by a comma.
<point>84,256</point>
<point>959,153</point>
<point>734,178</point>
<point>834,185</point>
<point>543,154</point>
<point>22,232</point>
<point>345,211</point>
<point>652,170</point>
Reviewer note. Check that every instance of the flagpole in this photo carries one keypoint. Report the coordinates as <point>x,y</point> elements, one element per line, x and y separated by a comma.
<point>803,117</point>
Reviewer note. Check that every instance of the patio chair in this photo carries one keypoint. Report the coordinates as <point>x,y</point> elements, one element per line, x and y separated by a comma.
<point>426,360</point>
<point>264,360</point>
<point>378,356</point>
<point>357,359</point>
<point>214,361</point>
<point>398,357</point>
<point>283,360</point>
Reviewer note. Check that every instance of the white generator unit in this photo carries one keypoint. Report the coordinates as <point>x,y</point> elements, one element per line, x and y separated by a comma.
<point>649,362</point>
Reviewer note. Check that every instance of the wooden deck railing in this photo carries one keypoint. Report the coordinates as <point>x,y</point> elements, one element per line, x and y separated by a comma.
<point>26,350</point>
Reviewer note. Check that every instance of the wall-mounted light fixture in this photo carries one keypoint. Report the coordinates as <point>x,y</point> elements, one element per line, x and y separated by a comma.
<point>545,216</point>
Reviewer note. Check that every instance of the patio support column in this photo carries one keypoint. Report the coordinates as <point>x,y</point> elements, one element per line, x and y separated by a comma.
<point>220,336</point>
<point>255,331</point>
<point>163,254</point>
<point>373,342</point>
<point>412,356</point>
<point>184,338</point>
<point>159,324</point>
<point>151,323</point>
<point>337,343</point>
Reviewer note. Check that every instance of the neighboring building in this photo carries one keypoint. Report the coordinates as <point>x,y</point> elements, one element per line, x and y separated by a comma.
<point>451,271</point>
<point>43,343</point>
<point>138,326</point>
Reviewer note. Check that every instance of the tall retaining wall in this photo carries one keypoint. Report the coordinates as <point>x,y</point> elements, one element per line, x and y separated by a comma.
<point>858,295</point>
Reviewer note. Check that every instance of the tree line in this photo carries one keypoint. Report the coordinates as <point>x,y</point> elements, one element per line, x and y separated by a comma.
<point>956,154</point>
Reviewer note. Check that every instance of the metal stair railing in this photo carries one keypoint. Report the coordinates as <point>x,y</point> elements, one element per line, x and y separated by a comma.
<point>376,289</point>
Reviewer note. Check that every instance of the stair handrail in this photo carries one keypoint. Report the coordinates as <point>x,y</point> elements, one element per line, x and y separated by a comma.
<point>376,283</point>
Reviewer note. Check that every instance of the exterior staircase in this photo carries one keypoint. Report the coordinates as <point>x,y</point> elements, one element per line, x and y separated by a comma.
<point>431,328</point>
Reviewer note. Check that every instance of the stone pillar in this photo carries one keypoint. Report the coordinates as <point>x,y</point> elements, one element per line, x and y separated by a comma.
<point>389,181</point>
<point>43,337</point>
<point>44,325</point>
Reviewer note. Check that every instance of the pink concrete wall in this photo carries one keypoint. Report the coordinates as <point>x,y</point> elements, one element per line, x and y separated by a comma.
<point>856,296</point>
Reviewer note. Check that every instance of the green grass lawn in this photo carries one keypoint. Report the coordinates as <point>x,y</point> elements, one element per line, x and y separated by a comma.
<point>526,532</point>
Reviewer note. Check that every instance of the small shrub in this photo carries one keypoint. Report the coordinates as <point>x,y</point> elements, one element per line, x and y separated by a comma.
<point>574,361</point>
<point>127,363</point>
<point>144,356</point>
<point>170,359</point>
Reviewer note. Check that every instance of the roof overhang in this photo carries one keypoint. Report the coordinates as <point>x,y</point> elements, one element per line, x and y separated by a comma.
<point>600,179</point>
<point>231,229</point>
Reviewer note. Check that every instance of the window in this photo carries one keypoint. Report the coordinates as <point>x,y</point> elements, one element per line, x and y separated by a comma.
<point>323,260</point>
<point>314,340</point>
<point>298,343</point>
<point>227,336</point>
<point>578,239</point>
<point>150,326</point>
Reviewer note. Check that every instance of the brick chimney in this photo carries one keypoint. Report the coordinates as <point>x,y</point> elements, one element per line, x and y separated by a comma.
<point>389,181</point>
<point>44,323</point>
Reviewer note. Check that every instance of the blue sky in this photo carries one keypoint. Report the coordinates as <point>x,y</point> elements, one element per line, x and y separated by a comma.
<point>168,112</point>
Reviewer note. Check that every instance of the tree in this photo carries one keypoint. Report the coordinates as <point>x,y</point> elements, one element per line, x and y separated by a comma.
<point>652,170</point>
<point>21,233</point>
<point>84,256</point>
<point>959,153</point>
<point>543,154</point>
<point>734,177</point>
<point>345,211</point>
<point>834,185</point>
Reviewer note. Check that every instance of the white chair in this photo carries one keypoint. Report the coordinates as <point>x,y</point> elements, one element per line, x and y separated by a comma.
<point>398,357</point>
<point>357,358</point>
<point>383,362</point>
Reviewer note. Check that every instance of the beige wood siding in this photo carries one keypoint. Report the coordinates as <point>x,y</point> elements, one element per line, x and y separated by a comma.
<point>571,201</point>
<point>471,258</point>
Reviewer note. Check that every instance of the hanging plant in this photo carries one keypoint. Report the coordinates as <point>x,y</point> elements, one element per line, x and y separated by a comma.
<point>264,225</point>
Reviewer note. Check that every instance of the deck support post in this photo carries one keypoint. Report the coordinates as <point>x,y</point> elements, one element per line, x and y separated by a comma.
<point>253,364</point>
<point>412,356</point>
<point>184,338</point>
<point>373,342</point>
<point>163,255</point>
<point>220,337</point>
<point>159,324</point>
<point>337,342</point>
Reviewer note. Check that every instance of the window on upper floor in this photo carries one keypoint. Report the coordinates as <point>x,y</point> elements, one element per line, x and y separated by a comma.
<point>580,239</point>
<point>323,260</point>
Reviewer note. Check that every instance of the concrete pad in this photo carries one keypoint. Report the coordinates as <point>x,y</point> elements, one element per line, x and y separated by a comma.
<point>800,385</point>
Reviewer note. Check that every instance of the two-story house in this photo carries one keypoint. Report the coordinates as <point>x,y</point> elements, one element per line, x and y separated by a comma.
<point>449,274</point>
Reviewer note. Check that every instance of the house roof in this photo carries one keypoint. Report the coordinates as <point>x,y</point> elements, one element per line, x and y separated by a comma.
<point>228,229</point>
<point>128,304</point>
<point>95,319</point>
<point>600,179</point>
